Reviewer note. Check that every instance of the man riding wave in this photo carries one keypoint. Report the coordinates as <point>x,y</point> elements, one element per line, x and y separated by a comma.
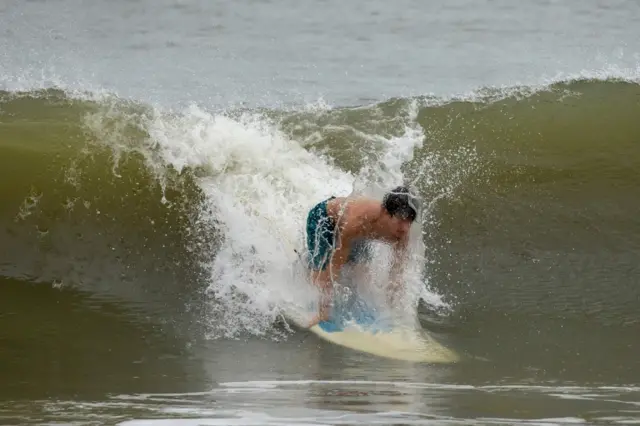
<point>338,230</point>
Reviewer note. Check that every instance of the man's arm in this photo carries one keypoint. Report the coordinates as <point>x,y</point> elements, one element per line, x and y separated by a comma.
<point>398,264</point>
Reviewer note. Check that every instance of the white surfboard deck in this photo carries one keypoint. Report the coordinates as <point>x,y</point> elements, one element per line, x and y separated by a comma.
<point>412,345</point>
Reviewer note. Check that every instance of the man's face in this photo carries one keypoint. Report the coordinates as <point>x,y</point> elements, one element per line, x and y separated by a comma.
<point>399,227</point>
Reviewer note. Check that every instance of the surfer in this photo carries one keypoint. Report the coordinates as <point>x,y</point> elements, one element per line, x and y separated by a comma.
<point>338,230</point>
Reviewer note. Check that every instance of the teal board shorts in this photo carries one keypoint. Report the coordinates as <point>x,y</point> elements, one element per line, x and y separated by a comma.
<point>321,233</point>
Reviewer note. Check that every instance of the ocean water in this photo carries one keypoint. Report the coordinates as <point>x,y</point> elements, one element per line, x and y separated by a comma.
<point>158,159</point>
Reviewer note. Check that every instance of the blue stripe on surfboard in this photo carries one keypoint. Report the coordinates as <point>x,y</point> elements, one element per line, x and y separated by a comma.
<point>358,313</point>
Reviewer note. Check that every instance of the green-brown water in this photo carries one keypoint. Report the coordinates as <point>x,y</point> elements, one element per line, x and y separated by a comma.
<point>142,227</point>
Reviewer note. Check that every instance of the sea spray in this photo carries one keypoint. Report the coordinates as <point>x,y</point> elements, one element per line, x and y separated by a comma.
<point>259,184</point>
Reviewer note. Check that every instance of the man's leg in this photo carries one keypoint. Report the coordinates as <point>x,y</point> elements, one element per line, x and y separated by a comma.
<point>320,237</point>
<point>320,244</point>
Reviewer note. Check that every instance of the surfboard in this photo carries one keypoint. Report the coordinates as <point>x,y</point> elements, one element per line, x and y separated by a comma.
<point>362,330</point>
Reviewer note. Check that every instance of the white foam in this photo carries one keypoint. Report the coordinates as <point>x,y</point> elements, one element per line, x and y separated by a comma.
<point>260,185</point>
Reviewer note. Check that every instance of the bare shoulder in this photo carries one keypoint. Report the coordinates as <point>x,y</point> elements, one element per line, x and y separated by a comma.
<point>345,206</point>
<point>352,213</point>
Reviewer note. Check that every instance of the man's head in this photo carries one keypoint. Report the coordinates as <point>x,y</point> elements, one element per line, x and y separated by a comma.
<point>402,208</point>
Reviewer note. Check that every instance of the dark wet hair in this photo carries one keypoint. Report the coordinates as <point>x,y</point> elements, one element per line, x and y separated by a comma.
<point>402,203</point>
